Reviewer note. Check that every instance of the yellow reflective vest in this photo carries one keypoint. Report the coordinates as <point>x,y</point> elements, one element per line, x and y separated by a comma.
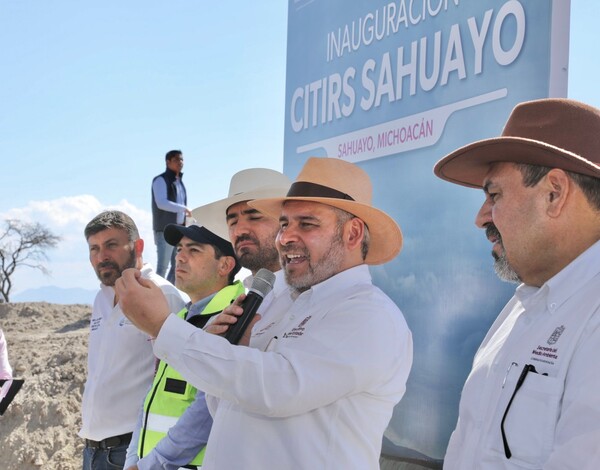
<point>170,394</point>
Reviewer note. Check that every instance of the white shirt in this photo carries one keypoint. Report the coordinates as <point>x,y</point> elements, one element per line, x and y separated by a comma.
<point>554,420</point>
<point>120,364</point>
<point>320,397</point>
<point>279,287</point>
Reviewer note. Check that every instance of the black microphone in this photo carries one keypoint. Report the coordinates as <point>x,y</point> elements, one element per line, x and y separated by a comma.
<point>261,286</point>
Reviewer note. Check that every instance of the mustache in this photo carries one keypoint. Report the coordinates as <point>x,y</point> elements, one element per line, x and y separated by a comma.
<point>291,247</point>
<point>245,238</point>
<point>492,231</point>
<point>108,264</point>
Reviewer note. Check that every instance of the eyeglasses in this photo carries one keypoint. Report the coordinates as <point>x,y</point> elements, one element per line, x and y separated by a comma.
<point>526,369</point>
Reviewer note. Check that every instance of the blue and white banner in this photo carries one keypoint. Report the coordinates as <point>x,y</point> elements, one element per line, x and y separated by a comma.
<point>394,86</point>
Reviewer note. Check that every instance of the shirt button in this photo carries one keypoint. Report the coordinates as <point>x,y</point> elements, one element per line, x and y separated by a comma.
<point>553,306</point>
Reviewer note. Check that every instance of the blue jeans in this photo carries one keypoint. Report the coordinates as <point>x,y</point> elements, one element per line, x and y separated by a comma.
<point>104,459</point>
<point>164,251</point>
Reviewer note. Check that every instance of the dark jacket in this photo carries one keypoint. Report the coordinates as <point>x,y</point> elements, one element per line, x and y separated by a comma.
<point>160,218</point>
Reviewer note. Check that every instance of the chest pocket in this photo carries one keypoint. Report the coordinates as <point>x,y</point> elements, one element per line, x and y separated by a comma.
<point>531,420</point>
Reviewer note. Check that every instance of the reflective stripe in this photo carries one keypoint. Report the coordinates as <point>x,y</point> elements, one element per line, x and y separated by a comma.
<point>159,423</point>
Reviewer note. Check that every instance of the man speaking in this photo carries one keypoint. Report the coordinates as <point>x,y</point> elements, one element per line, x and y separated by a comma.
<point>327,363</point>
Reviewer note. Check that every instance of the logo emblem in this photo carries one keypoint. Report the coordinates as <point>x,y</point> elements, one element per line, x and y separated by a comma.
<point>556,334</point>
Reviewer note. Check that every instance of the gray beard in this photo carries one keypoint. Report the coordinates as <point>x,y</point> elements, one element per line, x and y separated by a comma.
<point>504,270</point>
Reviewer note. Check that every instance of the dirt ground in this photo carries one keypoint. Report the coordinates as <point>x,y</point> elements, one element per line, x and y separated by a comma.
<point>47,346</point>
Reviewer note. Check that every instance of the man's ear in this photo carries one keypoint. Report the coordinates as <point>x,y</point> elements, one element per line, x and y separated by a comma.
<point>557,189</point>
<point>226,265</point>
<point>354,232</point>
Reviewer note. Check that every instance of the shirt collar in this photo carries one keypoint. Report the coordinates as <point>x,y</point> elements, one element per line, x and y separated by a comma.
<point>565,283</point>
<point>350,277</point>
<point>196,308</point>
<point>278,285</point>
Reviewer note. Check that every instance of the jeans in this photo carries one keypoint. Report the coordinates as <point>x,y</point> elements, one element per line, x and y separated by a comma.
<point>104,459</point>
<point>164,251</point>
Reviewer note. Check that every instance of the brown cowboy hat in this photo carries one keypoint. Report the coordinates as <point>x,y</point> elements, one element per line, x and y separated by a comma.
<point>552,132</point>
<point>343,185</point>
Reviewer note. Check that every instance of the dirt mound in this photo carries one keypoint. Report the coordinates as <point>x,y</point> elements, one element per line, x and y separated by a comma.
<point>47,346</point>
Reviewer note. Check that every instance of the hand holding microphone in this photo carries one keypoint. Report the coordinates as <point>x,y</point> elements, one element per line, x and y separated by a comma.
<point>261,285</point>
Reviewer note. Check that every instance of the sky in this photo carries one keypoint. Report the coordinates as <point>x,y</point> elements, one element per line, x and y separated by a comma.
<point>93,95</point>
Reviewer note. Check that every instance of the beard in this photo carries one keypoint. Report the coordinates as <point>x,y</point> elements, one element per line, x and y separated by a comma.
<point>502,266</point>
<point>329,265</point>
<point>263,256</point>
<point>108,278</point>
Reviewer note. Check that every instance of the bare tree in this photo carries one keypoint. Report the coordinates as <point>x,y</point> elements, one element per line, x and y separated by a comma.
<point>22,244</point>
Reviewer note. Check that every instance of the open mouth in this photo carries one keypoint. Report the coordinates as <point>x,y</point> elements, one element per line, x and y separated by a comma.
<point>294,259</point>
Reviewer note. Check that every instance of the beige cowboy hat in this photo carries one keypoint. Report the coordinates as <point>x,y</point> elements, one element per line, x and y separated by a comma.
<point>245,185</point>
<point>551,132</point>
<point>343,185</point>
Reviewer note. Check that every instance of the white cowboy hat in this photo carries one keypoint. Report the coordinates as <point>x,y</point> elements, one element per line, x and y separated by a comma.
<point>245,185</point>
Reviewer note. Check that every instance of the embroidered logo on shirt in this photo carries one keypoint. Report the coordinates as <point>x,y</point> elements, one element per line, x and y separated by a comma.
<point>299,330</point>
<point>556,334</point>
<point>95,323</point>
<point>262,331</point>
<point>548,354</point>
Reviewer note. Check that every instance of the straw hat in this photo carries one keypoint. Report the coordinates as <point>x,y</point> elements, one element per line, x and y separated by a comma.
<point>343,185</point>
<point>553,132</point>
<point>245,185</point>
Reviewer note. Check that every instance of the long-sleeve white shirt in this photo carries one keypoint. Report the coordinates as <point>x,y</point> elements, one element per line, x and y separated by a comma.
<point>120,364</point>
<point>317,387</point>
<point>554,420</point>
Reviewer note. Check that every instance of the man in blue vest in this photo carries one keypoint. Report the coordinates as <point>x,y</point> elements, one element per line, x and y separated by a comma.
<point>174,423</point>
<point>169,206</point>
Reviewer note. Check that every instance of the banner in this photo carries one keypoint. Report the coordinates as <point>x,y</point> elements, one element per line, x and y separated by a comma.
<point>394,86</point>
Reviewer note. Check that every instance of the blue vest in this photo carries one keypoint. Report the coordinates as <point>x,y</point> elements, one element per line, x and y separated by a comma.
<point>160,218</point>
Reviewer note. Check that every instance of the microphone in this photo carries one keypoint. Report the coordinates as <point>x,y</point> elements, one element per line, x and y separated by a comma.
<point>261,285</point>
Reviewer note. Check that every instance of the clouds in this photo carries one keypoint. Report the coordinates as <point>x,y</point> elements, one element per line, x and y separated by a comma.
<point>67,217</point>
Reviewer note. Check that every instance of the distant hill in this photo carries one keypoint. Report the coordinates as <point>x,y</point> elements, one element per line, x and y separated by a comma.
<point>56,295</point>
